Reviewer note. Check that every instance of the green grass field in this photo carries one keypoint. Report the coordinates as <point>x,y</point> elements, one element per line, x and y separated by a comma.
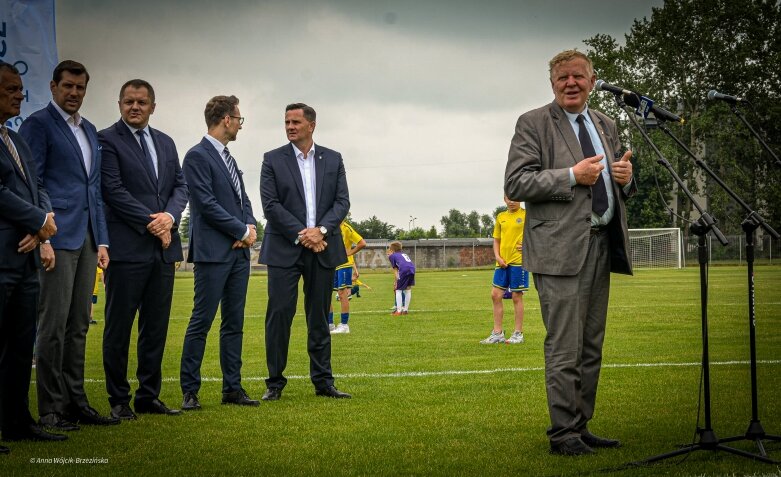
<point>429,400</point>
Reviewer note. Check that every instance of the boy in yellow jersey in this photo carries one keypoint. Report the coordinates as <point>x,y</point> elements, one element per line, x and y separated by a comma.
<point>508,242</point>
<point>343,277</point>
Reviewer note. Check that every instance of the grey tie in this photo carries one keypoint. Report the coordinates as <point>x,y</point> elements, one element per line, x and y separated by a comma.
<point>598,190</point>
<point>12,149</point>
<point>233,171</point>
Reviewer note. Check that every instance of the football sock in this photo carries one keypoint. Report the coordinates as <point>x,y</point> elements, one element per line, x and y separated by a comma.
<point>330,317</point>
<point>407,298</point>
<point>345,318</point>
<point>399,302</point>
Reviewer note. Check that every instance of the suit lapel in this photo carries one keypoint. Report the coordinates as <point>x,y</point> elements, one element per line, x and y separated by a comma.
<point>160,157</point>
<point>292,164</point>
<point>66,131</point>
<point>319,173</point>
<point>609,153</point>
<point>602,137</point>
<point>131,142</point>
<point>6,153</point>
<point>565,129</point>
<point>92,138</point>
<point>220,162</point>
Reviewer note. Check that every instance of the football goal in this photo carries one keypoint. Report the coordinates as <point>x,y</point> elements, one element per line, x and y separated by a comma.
<point>656,248</point>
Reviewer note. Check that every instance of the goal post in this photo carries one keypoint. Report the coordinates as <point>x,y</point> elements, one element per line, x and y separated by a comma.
<point>656,248</point>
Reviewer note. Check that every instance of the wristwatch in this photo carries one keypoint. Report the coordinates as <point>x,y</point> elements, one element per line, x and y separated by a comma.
<point>323,230</point>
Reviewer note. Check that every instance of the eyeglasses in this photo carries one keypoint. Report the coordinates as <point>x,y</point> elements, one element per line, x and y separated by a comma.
<point>240,118</point>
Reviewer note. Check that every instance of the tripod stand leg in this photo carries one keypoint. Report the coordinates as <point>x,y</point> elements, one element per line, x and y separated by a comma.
<point>755,431</point>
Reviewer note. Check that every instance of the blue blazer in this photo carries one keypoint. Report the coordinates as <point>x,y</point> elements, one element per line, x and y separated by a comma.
<point>23,203</point>
<point>218,217</point>
<point>75,196</point>
<point>284,205</point>
<point>131,192</point>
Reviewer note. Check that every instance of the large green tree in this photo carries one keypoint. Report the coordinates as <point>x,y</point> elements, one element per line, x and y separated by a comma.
<point>374,228</point>
<point>685,49</point>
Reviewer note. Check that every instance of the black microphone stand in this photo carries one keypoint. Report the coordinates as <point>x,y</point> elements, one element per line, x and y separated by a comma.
<point>701,227</point>
<point>737,112</point>
<point>753,220</point>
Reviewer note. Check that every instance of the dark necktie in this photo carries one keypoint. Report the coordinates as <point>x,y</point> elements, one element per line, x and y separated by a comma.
<point>12,150</point>
<point>598,190</point>
<point>150,165</point>
<point>233,171</point>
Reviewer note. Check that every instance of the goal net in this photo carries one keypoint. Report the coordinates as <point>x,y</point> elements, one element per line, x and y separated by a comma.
<point>656,248</point>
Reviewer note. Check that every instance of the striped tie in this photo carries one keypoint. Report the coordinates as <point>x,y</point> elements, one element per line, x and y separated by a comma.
<point>12,149</point>
<point>233,171</point>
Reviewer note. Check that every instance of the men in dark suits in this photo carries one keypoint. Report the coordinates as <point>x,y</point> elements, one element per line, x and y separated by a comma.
<point>25,220</point>
<point>303,188</point>
<point>565,163</point>
<point>66,151</point>
<point>222,230</point>
<point>144,193</point>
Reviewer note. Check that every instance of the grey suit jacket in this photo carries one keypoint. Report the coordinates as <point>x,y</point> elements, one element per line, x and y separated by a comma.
<point>558,217</point>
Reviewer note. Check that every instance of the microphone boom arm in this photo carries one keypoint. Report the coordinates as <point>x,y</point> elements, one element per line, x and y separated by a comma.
<point>706,220</point>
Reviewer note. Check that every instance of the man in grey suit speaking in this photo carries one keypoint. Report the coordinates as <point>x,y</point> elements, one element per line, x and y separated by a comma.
<point>565,163</point>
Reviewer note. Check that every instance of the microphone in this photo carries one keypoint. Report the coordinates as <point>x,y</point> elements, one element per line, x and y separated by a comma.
<point>637,101</point>
<point>603,86</point>
<point>714,95</point>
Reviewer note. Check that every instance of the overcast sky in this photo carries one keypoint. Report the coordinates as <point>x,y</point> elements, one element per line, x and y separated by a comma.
<point>419,96</point>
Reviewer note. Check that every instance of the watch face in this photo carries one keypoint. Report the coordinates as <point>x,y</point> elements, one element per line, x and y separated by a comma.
<point>323,230</point>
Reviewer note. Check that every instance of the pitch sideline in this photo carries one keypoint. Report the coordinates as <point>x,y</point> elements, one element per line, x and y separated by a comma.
<point>420,374</point>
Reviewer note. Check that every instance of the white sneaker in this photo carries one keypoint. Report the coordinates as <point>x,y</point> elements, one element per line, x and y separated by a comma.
<point>342,328</point>
<point>515,338</point>
<point>331,327</point>
<point>494,338</point>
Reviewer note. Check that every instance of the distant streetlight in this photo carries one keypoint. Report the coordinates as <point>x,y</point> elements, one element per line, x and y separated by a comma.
<point>411,222</point>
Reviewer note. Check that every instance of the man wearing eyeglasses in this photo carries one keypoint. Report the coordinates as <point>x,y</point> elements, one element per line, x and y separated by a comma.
<point>144,195</point>
<point>222,230</point>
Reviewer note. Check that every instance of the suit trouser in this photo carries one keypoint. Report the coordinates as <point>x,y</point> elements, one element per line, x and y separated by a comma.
<point>18,313</point>
<point>574,311</point>
<point>63,321</point>
<point>282,300</point>
<point>223,284</point>
<point>146,288</point>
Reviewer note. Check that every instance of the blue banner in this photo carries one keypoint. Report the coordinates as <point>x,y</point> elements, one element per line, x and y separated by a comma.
<point>28,41</point>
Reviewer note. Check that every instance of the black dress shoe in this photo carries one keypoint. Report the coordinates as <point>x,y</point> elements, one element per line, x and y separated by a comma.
<point>332,392</point>
<point>88,415</point>
<point>33,432</point>
<point>58,423</point>
<point>595,441</point>
<point>190,402</point>
<point>123,412</point>
<point>155,406</point>
<point>4,450</point>
<point>239,397</point>
<point>272,394</point>
<point>572,446</point>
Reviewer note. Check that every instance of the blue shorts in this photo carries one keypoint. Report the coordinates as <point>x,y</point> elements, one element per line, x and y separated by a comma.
<point>514,277</point>
<point>343,278</point>
<point>405,281</point>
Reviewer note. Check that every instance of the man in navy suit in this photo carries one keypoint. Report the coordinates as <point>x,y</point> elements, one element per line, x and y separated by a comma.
<point>25,220</point>
<point>144,193</point>
<point>222,230</point>
<point>303,188</point>
<point>66,152</point>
